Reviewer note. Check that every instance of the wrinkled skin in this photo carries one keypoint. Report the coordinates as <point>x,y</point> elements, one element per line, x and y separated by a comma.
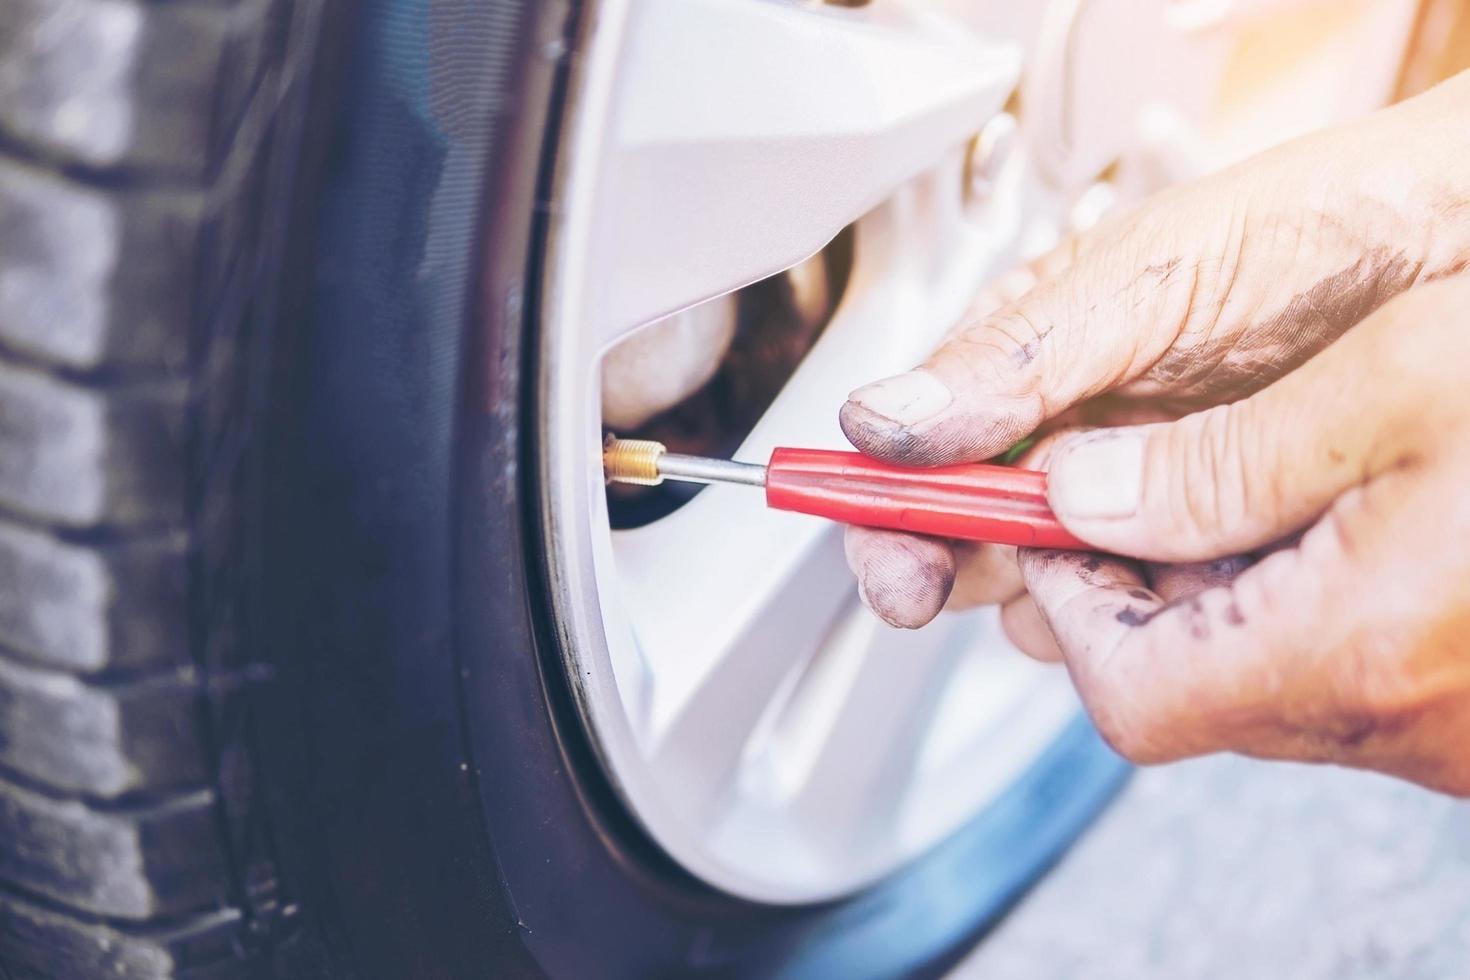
<point>1254,401</point>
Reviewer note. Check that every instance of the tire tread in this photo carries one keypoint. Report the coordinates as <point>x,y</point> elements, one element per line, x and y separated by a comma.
<point>140,144</point>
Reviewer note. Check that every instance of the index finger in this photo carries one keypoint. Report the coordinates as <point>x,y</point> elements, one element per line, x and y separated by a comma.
<point>1209,290</point>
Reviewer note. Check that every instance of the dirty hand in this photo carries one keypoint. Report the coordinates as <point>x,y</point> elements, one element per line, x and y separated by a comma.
<point>1344,645</point>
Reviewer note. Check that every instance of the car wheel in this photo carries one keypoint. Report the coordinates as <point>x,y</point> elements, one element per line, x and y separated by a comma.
<point>326,651</point>
<point>678,747</point>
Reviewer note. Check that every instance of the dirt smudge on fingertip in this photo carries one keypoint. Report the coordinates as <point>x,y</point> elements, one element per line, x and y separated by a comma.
<point>1129,616</point>
<point>944,440</point>
<point>1195,619</point>
<point>905,581</point>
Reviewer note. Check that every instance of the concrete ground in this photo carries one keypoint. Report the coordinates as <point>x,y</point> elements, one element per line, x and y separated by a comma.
<point>1224,867</point>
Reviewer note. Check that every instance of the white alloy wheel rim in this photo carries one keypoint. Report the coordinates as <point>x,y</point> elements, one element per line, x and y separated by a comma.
<point>767,731</point>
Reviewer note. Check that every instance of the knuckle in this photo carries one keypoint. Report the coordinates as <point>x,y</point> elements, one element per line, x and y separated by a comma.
<point>1215,484</point>
<point>1376,697</point>
<point>995,347</point>
<point>1348,524</point>
<point>1344,534</point>
<point>1250,485</point>
<point>1194,497</point>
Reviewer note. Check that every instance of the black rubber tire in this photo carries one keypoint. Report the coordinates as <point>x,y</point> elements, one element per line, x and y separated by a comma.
<point>279,691</point>
<point>146,157</point>
<point>467,826</point>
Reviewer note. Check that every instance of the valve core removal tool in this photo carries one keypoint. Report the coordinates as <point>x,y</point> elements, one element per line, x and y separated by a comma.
<point>974,502</point>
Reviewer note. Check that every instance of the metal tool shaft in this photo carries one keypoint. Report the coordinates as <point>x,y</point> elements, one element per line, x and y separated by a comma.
<point>967,502</point>
<point>700,469</point>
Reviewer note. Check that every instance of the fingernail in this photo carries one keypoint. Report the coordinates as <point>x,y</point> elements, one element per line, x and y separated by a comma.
<point>1098,476</point>
<point>904,399</point>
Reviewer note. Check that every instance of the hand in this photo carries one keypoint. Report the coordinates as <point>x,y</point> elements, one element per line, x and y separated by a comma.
<point>1205,294</point>
<point>1349,644</point>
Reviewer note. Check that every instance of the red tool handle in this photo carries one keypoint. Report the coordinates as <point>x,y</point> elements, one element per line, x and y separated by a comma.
<point>976,502</point>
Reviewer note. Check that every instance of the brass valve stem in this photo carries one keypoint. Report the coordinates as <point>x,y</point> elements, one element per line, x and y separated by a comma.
<point>632,461</point>
<point>648,463</point>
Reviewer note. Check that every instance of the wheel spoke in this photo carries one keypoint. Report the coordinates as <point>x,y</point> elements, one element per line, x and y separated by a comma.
<point>742,136</point>
<point>863,754</point>
<point>743,611</point>
<point>998,711</point>
<point>917,268</point>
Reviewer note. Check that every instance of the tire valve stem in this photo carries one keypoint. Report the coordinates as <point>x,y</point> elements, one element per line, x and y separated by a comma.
<point>973,502</point>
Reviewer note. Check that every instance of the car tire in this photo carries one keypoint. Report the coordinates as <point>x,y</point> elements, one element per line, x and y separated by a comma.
<point>281,693</point>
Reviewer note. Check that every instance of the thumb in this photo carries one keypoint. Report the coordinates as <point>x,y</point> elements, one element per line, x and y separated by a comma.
<point>1239,476</point>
